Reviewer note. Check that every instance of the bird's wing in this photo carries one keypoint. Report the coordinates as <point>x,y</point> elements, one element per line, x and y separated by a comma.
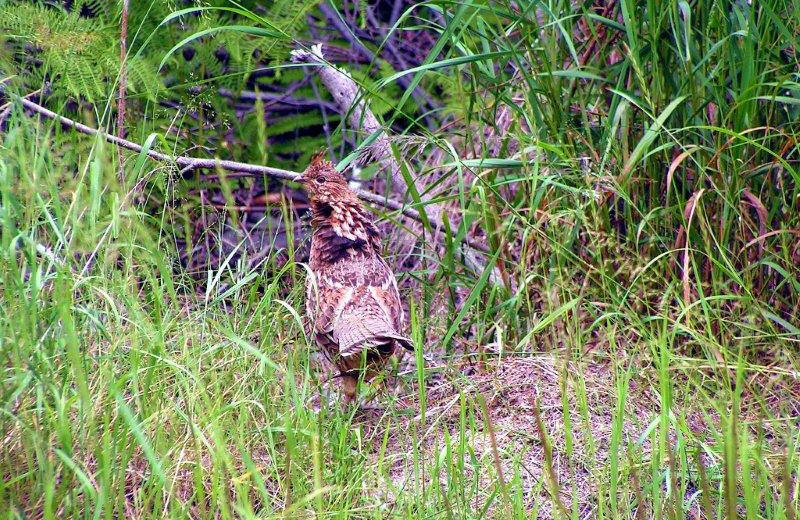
<point>329,307</point>
<point>368,321</point>
<point>385,294</point>
<point>357,308</point>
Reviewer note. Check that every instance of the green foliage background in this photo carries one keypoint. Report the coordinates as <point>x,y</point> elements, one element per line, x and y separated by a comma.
<point>73,48</point>
<point>629,348</point>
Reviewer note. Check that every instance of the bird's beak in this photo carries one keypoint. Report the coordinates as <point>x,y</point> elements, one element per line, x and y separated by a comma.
<point>302,178</point>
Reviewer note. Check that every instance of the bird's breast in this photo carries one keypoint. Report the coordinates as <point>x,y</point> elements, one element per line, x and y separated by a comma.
<point>329,246</point>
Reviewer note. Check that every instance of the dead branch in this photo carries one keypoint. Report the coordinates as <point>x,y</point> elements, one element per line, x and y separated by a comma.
<point>349,98</point>
<point>238,169</point>
<point>336,21</point>
<point>123,71</point>
<point>270,98</point>
<point>5,108</point>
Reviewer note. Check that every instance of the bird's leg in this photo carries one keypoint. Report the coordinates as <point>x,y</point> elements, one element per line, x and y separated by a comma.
<point>323,395</point>
<point>378,380</point>
<point>349,388</point>
<point>395,381</point>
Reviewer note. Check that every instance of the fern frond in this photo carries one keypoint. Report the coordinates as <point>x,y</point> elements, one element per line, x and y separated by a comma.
<point>79,55</point>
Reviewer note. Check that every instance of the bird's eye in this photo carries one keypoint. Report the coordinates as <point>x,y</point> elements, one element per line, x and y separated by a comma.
<point>320,180</point>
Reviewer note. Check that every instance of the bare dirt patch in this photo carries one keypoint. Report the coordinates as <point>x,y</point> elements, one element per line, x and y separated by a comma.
<point>549,431</point>
<point>543,454</point>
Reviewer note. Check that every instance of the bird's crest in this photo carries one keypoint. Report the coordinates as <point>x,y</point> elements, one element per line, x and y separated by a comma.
<point>319,158</point>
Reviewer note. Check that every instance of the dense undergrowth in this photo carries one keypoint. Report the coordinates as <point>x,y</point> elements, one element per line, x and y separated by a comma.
<point>631,350</point>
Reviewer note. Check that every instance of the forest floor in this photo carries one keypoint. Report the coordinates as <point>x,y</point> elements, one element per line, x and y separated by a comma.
<point>550,426</point>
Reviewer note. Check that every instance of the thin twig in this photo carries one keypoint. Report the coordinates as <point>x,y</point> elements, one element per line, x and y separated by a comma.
<point>5,109</point>
<point>239,169</point>
<point>271,99</point>
<point>187,163</point>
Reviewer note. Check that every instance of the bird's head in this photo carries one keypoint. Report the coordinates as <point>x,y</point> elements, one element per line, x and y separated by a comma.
<point>323,183</point>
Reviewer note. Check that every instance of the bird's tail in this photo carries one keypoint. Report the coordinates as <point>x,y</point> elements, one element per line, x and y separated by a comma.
<point>404,341</point>
<point>382,343</point>
<point>357,333</point>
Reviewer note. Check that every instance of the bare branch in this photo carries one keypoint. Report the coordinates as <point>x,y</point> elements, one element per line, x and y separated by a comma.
<point>5,109</point>
<point>238,169</point>
<point>350,100</point>
<point>271,98</point>
<point>123,71</point>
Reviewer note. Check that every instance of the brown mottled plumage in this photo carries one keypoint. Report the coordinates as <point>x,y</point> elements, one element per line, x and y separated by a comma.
<point>352,301</point>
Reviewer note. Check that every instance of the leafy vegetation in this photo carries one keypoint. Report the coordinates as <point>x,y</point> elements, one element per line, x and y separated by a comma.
<point>628,350</point>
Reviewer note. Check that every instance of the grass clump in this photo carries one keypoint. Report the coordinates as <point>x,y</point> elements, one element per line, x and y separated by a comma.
<point>630,352</point>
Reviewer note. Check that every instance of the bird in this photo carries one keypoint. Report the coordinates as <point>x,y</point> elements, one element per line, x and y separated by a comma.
<point>353,307</point>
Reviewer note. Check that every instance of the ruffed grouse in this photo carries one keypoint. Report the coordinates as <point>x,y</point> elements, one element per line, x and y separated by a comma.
<point>352,302</point>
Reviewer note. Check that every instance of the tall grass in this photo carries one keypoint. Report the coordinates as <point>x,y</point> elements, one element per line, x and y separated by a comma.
<point>636,173</point>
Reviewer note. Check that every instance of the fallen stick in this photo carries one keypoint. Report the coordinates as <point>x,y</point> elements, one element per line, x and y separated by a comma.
<point>239,168</point>
<point>350,99</point>
<point>352,104</point>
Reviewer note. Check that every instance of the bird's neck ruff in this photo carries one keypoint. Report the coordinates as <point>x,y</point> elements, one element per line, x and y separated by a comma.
<point>342,229</point>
